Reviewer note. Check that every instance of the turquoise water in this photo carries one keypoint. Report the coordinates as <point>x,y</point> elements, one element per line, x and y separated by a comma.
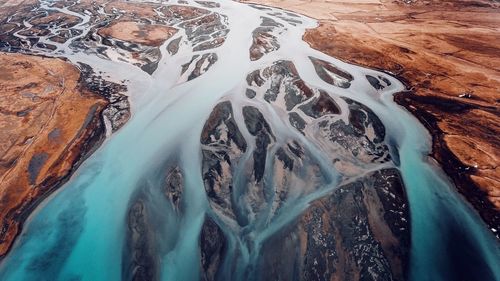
<point>78,233</point>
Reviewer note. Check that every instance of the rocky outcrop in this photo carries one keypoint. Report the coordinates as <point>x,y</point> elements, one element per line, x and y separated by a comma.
<point>259,128</point>
<point>286,81</point>
<point>245,185</point>
<point>320,106</point>
<point>174,188</point>
<point>281,86</point>
<point>359,231</point>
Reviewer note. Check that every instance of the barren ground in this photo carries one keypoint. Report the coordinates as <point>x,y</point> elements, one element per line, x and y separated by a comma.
<point>448,54</point>
<point>46,120</point>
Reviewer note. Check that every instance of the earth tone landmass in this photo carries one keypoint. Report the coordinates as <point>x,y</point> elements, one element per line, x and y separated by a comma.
<point>448,54</point>
<point>11,3</point>
<point>48,123</point>
<point>134,32</point>
<point>54,115</point>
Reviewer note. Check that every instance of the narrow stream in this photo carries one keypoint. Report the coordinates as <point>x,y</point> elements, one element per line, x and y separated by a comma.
<point>79,232</point>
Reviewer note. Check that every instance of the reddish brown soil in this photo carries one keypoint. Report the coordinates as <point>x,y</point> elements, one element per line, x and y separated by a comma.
<point>134,32</point>
<point>48,122</point>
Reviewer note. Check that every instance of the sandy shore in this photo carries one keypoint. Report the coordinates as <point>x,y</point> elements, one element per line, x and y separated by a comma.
<point>447,52</point>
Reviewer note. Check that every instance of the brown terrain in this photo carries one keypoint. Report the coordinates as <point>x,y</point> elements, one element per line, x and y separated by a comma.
<point>150,35</point>
<point>48,123</point>
<point>448,53</point>
<point>51,113</point>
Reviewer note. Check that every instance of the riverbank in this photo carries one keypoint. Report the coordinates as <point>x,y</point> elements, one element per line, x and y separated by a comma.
<point>446,52</point>
<point>50,122</point>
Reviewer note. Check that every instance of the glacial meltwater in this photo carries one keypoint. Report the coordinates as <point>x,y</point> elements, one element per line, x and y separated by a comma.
<point>248,156</point>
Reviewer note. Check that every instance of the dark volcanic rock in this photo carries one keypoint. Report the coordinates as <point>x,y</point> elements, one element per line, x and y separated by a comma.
<point>199,65</point>
<point>361,117</point>
<point>379,82</point>
<point>297,121</point>
<point>209,4</point>
<point>173,46</point>
<point>263,39</point>
<point>143,265</point>
<point>118,110</point>
<point>331,74</point>
<point>250,93</point>
<point>281,257</point>
<point>174,187</point>
<point>285,78</point>
<point>222,146</point>
<point>198,31</point>
<point>255,78</point>
<point>360,231</point>
<point>245,186</point>
<point>258,127</point>
<point>213,246</point>
<point>320,106</point>
<point>295,173</point>
<point>374,82</point>
<point>222,115</point>
<point>363,137</point>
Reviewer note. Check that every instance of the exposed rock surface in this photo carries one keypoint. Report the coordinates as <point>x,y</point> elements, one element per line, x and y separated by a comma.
<point>213,246</point>
<point>361,138</point>
<point>360,231</point>
<point>198,65</point>
<point>117,112</point>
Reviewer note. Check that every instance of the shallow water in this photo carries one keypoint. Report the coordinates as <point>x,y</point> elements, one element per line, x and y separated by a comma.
<point>79,232</point>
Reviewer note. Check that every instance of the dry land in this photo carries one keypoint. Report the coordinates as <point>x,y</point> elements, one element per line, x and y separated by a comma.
<point>49,122</point>
<point>448,54</point>
<point>145,34</point>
